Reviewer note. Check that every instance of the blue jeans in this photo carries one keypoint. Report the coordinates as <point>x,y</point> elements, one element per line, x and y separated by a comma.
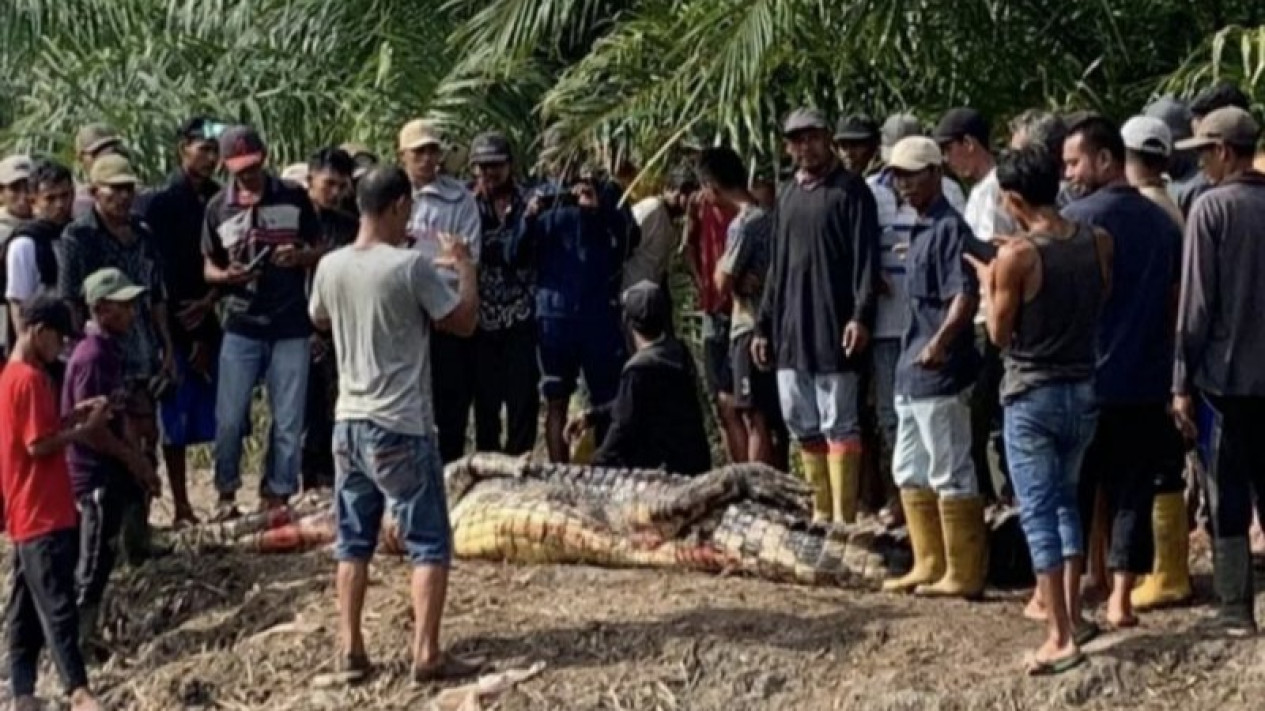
<point>374,466</point>
<point>283,365</point>
<point>1047,430</point>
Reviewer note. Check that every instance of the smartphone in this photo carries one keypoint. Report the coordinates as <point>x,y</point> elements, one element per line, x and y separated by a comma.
<point>260,259</point>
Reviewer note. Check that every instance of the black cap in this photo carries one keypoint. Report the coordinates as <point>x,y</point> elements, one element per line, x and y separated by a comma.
<point>646,308</point>
<point>241,148</point>
<point>50,312</point>
<point>490,147</point>
<point>857,127</point>
<point>200,128</point>
<point>960,123</point>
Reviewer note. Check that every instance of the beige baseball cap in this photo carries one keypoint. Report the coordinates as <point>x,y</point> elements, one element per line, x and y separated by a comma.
<point>1230,125</point>
<point>419,133</point>
<point>915,153</point>
<point>112,169</point>
<point>96,136</point>
<point>14,169</point>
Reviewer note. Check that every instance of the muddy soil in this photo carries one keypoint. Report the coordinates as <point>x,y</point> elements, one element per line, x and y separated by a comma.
<point>241,632</point>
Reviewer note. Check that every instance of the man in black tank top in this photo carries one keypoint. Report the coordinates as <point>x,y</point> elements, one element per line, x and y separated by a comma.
<point>1043,293</point>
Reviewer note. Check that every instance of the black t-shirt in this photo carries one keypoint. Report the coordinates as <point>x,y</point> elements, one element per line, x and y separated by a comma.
<point>175,215</point>
<point>274,306</point>
<point>656,420</point>
<point>825,258</point>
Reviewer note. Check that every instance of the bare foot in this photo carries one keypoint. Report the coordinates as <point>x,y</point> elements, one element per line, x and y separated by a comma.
<point>1035,609</point>
<point>83,700</point>
<point>1094,592</point>
<point>1052,658</point>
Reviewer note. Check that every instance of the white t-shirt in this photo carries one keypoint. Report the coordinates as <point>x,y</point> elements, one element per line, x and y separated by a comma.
<point>988,219</point>
<point>380,302</point>
<point>658,241</point>
<point>23,274</point>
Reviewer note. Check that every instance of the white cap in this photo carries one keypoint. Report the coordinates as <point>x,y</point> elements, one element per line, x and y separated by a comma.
<point>1145,134</point>
<point>295,173</point>
<point>15,168</point>
<point>915,153</point>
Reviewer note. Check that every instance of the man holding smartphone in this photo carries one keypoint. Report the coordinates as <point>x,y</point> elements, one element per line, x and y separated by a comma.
<point>260,238</point>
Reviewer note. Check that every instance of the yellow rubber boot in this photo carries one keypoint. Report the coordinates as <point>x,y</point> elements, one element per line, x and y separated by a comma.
<point>1169,581</point>
<point>845,478</point>
<point>817,477</point>
<point>922,516</point>
<point>962,519</point>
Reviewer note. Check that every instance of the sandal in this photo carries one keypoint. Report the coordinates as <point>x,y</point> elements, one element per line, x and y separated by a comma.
<point>1085,633</point>
<point>1054,667</point>
<point>448,668</point>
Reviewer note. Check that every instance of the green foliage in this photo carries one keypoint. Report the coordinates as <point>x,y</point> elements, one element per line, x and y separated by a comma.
<point>307,72</point>
<point>1235,54</point>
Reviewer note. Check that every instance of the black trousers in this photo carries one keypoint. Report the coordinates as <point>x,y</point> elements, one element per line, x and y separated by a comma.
<point>986,419</point>
<point>1236,470</point>
<point>508,380</point>
<point>101,514</point>
<point>42,611</point>
<point>452,371</point>
<point>1135,448</point>
<point>318,420</point>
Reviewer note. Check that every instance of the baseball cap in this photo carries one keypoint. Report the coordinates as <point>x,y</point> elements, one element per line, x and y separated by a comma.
<point>15,168</point>
<point>241,148</point>
<point>1174,113</point>
<point>646,307</point>
<point>112,169</point>
<point>109,284</point>
<point>96,137</point>
<point>1230,125</point>
<point>896,127</point>
<point>856,127</point>
<point>915,153</point>
<point>364,158</point>
<point>50,311</point>
<point>490,147</point>
<point>1145,134</point>
<point>959,123</point>
<point>200,128</point>
<point>295,173</point>
<point>804,120</point>
<point>419,133</point>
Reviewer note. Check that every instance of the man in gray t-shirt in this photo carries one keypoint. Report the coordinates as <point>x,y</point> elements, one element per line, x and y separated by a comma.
<point>381,301</point>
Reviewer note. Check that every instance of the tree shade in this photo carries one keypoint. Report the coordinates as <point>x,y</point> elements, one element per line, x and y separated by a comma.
<point>638,75</point>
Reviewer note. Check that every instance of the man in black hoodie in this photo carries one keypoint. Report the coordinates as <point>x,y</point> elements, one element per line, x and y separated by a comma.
<point>30,262</point>
<point>655,421</point>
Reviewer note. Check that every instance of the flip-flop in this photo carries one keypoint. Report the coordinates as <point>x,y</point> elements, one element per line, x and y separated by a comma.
<point>1054,667</point>
<point>1126,624</point>
<point>1085,633</point>
<point>448,668</point>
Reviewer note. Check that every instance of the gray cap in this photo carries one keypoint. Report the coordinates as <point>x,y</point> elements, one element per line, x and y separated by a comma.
<point>1146,134</point>
<point>896,127</point>
<point>14,169</point>
<point>1174,113</point>
<point>803,120</point>
<point>490,147</point>
<point>1230,125</point>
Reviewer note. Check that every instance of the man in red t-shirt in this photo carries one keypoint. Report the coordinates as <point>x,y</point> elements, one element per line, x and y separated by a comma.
<point>39,508</point>
<point>706,231</point>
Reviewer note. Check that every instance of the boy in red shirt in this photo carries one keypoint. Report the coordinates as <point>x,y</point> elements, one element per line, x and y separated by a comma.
<point>39,508</point>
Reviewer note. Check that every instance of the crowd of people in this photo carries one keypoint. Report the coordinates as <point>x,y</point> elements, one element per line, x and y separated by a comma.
<point>1057,335</point>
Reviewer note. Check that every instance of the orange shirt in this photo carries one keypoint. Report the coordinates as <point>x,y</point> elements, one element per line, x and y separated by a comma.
<point>37,494</point>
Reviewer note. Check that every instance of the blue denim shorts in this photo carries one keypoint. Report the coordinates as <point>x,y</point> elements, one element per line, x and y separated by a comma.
<point>1047,431</point>
<point>374,466</point>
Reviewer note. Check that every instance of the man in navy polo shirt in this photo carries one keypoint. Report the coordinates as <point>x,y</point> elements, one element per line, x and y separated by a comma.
<point>938,363</point>
<point>260,238</point>
<point>1136,443</point>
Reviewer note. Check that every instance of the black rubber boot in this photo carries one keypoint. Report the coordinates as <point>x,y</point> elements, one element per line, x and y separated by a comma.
<point>1232,579</point>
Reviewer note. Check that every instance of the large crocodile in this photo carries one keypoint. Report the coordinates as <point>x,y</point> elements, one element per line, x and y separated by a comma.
<point>744,518</point>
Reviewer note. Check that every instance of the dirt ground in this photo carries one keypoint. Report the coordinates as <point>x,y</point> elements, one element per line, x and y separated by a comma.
<point>242,632</point>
